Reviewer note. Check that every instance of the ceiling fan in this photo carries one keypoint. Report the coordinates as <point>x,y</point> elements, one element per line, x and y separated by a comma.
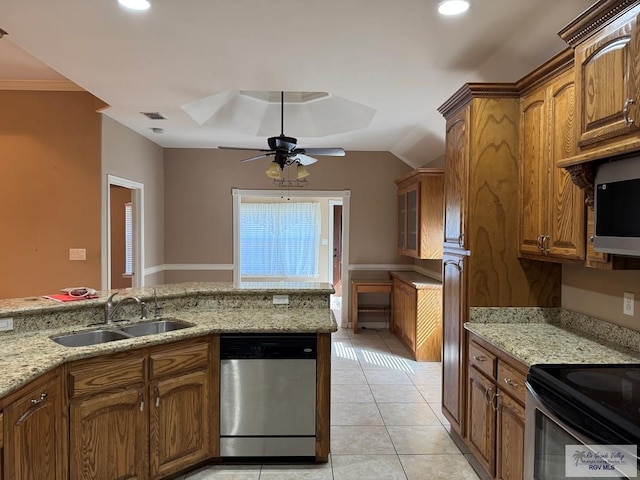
<point>285,149</point>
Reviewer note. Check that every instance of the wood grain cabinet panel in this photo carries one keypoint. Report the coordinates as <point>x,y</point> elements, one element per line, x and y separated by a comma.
<point>608,82</point>
<point>35,444</point>
<point>417,318</point>
<point>456,178</point>
<point>179,422</point>
<point>481,419</point>
<point>552,209</point>
<point>510,439</point>
<point>109,435</point>
<point>420,213</point>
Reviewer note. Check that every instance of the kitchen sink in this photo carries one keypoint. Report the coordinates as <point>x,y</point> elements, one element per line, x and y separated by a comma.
<point>97,337</point>
<point>89,338</point>
<point>151,328</point>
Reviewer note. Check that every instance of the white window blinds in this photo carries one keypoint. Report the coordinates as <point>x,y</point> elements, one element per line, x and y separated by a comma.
<point>279,239</point>
<point>128,239</point>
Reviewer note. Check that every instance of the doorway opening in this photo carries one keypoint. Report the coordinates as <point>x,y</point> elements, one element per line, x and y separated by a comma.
<point>123,254</point>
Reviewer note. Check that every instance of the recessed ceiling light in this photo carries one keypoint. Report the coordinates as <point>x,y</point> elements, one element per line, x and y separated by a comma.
<point>135,4</point>
<point>453,7</point>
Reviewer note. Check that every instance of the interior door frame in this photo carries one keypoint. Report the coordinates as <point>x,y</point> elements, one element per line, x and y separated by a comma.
<point>346,203</point>
<point>333,203</point>
<point>137,204</point>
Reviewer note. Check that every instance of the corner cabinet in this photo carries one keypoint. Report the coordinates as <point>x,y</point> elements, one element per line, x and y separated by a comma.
<point>35,445</point>
<point>552,209</point>
<point>481,267</point>
<point>420,204</point>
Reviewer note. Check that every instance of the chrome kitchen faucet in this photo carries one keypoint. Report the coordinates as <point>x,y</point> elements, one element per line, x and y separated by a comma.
<point>111,307</point>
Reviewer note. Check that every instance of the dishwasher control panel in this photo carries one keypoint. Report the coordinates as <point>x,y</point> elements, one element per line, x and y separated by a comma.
<point>268,346</point>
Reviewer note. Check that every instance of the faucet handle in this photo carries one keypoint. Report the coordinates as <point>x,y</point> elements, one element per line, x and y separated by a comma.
<point>143,311</point>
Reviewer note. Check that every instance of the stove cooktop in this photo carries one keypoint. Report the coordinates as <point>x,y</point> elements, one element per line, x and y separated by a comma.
<point>610,393</point>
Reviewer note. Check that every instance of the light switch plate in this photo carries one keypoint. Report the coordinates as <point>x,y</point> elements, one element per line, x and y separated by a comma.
<point>77,254</point>
<point>6,324</point>
<point>281,299</point>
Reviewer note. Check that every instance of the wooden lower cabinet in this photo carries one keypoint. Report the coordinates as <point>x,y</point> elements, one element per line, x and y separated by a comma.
<point>108,435</point>
<point>34,447</point>
<point>481,419</point>
<point>495,412</point>
<point>181,411</point>
<point>417,315</point>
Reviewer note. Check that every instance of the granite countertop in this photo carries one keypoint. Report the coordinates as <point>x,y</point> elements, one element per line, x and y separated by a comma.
<point>26,356</point>
<point>417,279</point>
<point>533,343</point>
<point>26,305</point>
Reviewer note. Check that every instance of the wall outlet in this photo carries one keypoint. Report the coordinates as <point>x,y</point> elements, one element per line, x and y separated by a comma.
<point>77,254</point>
<point>281,299</point>
<point>6,324</point>
<point>629,300</point>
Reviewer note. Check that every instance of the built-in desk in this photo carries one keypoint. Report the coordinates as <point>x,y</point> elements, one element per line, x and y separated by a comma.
<point>369,286</point>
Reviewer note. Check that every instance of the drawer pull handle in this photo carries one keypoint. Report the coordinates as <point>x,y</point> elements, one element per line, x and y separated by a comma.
<point>511,383</point>
<point>157,397</point>
<point>35,404</point>
<point>480,358</point>
<point>488,395</point>
<point>494,401</point>
<point>625,111</point>
<point>141,398</point>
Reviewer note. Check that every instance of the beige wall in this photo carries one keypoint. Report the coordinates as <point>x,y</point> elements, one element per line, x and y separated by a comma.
<point>599,293</point>
<point>198,208</point>
<point>49,191</point>
<point>128,155</point>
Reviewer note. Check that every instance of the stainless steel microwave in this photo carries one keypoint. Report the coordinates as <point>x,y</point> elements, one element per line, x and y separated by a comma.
<point>617,207</point>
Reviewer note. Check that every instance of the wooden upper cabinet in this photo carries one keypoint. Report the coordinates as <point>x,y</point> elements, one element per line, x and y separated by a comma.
<point>456,179</point>
<point>607,82</point>
<point>552,210</point>
<point>420,213</point>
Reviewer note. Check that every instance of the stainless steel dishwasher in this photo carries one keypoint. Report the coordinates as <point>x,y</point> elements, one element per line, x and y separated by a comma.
<point>267,395</point>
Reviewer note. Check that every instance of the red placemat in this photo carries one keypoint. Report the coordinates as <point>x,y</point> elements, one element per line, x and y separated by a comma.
<point>63,297</point>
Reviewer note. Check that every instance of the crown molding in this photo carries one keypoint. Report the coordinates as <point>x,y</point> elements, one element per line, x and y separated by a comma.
<point>40,85</point>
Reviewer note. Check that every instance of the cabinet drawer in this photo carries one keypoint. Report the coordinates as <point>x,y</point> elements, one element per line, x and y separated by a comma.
<point>109,372</point>
<point>177,358</point>
<point>482,359</point>
<point>511,381</point>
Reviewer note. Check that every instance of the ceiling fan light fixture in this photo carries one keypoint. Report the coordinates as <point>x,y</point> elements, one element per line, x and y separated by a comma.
<point>274,171</point>
<point>453,7</point>
<point>301,172</point>
<point>135,4</point>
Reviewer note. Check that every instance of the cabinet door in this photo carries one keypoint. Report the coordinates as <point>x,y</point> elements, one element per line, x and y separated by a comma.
<point>34,447</point>
<point>179,423</point>
<point>456,178</point>
<point>408,299</point>
<point>566,221</point>
<point>510,439</point>
<point>533,154</point>
<point>109,436</point>
<point>402,220</point>
<point>481,420</point>
<point>454,315</point>
<point>607,82</point>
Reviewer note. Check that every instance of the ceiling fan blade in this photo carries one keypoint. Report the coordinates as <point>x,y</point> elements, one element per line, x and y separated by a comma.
<point>303,159</point>
<point>330,152</point>
<point>257,157</point>
<point>244,148</point>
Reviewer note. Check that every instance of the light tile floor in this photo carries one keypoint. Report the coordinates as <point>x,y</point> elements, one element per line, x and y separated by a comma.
<point>386,420</point>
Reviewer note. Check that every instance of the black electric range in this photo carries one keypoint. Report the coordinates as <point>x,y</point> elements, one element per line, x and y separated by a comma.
<point>600,401</point>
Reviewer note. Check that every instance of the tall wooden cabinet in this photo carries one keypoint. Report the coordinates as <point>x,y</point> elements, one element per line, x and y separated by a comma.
<point>35,445</point>
<point>481,267</point>
<point>420,200</point>
<point>552,210</point>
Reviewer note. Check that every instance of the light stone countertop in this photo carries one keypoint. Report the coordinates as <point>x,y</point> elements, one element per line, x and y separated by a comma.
<point>417,279</point>
<point>39,304</point>
<point>26,356</point>
<point>533,343</point>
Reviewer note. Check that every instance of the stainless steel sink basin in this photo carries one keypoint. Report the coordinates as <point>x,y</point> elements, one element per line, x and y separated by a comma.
<point>89,338</point>
<point>158,326</point>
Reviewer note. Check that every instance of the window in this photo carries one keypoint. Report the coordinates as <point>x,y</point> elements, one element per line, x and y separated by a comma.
<point>279,239</point>
<point>128,239</point>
